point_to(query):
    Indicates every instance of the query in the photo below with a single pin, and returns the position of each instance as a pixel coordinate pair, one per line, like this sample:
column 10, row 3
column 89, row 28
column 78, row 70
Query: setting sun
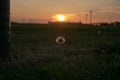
column 60, row 17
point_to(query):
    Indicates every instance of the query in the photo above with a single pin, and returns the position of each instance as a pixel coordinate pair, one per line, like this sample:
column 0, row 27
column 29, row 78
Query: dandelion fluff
column 99, row 32
column 60, row 40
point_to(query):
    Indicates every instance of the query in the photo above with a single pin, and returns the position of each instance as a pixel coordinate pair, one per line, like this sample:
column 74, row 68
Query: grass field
column 89, row 53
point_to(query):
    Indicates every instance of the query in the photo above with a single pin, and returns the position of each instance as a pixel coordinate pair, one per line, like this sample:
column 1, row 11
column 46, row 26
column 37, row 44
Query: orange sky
column 76, row 10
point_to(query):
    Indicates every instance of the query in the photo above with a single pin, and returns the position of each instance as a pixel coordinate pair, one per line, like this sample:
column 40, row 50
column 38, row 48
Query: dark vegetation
column 90, row 53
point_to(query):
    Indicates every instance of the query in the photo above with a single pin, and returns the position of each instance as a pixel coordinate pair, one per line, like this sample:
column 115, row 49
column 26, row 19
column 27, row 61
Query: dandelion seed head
column 60, row 40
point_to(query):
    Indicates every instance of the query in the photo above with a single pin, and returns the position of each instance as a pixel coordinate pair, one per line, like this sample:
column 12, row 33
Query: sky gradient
column 75, row 10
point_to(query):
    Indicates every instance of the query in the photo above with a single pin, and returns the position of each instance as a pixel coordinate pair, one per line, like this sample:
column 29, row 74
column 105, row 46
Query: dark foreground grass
column 90, row 53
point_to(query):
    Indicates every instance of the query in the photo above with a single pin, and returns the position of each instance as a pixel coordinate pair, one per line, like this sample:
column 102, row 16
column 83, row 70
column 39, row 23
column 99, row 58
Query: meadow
column 89, row 53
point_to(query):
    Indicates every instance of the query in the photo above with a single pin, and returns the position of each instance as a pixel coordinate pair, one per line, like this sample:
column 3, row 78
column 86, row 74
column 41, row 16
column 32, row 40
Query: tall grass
column 86, row 55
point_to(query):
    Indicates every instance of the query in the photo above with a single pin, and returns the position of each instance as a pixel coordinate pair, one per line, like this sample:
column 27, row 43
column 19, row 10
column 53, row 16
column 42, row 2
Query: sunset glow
column 60, row 17
column 75, row 10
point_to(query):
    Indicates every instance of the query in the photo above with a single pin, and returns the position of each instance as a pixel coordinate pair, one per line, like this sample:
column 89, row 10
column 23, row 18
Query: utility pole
column 91, row 16
column 86, row 18
column 4, row 29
